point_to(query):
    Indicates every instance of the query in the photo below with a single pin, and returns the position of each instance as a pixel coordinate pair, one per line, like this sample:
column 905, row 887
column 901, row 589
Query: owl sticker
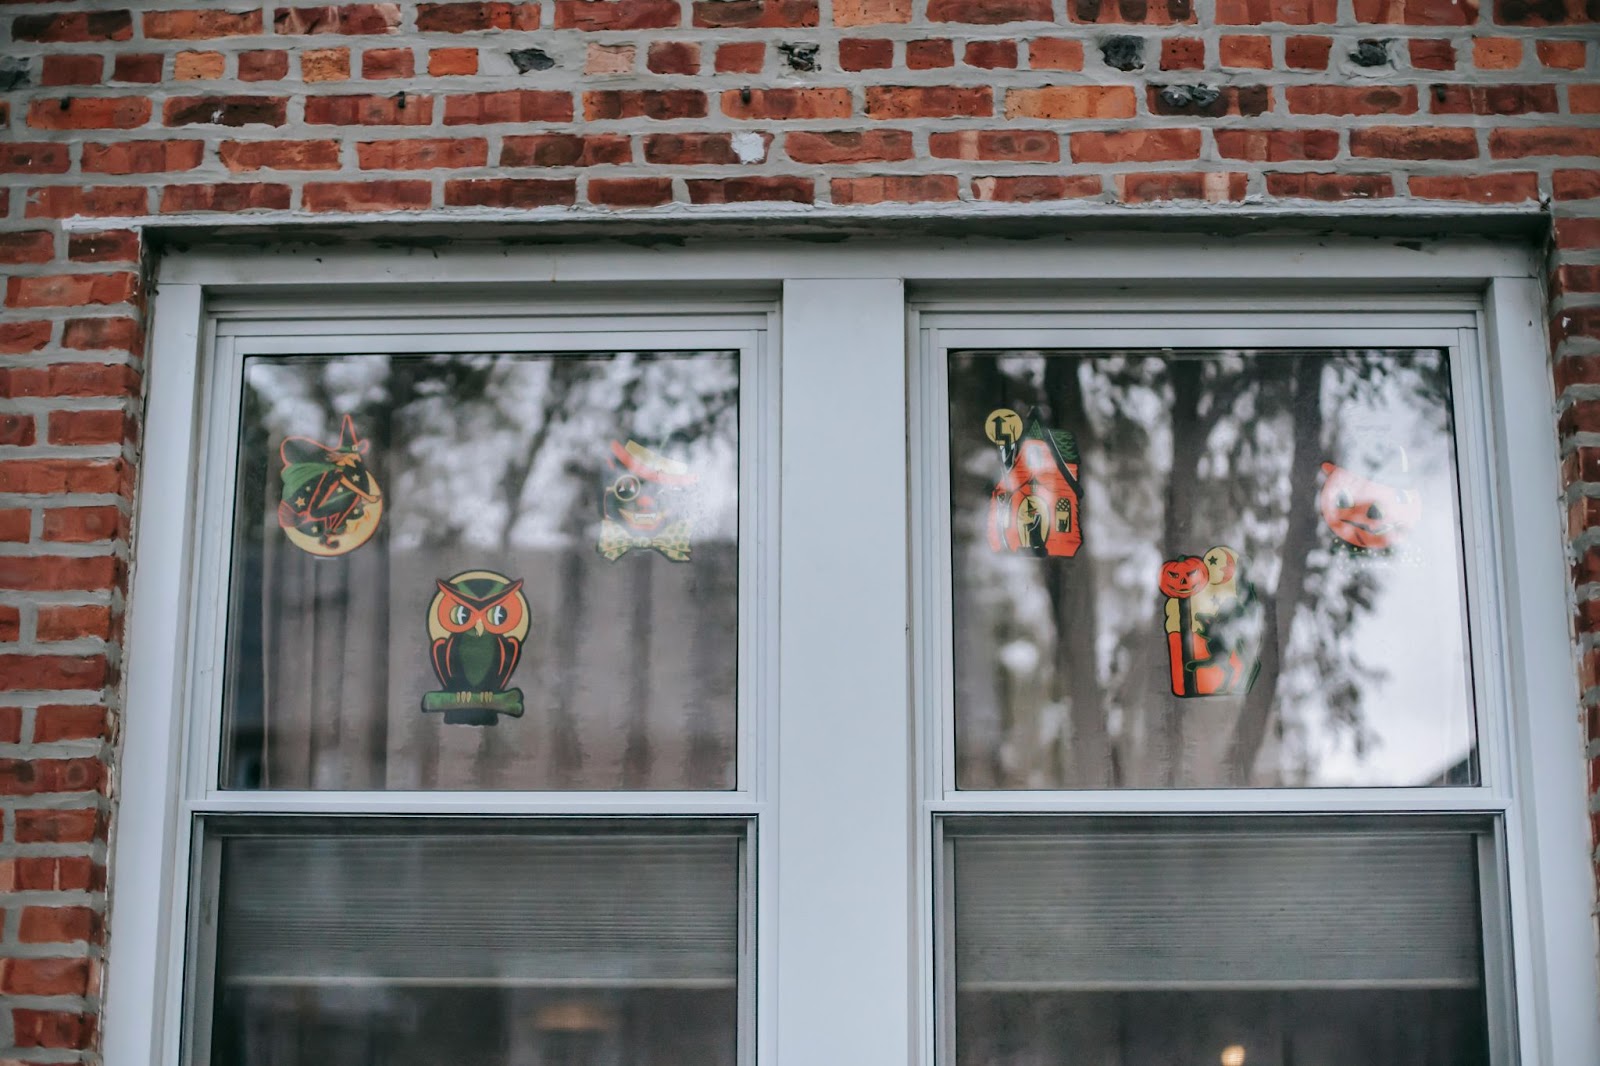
column 642, row 504
column 477, row 622
column 1213, row 624
column 331, row 502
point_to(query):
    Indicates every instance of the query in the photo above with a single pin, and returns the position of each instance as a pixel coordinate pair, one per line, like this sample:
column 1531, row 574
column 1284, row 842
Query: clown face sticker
column 331, row 502
column 642, row 504
column 1213, row 624
column 477, row 622
column 1034, row 508
column 1366, row 514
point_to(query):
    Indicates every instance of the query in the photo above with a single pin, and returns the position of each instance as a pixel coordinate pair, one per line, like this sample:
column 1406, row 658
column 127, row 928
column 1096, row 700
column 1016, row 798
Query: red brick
column 56, row 476
column 325, row 64
column 470, row 17
column 517, row 105
column 1292, row 12
column 141, row 67
column 755, row 14
column 428, row 154
column 200, row 24
column 849, row 146
column 1146, row 188
column 870, row 12
column 753, row 189
column 53, row 672
column 10, row 624
column 45, row 977
column 673, row 57
column 380, row 63
column 1546, row 12
column 226, row 196
column 71, row 290
column 366, row 195
column 1245, row 52
column 786, row 103
column 353, row 19
column 1352, row 100
column 73, row 28
column 198, row 66
column 896, row 188
column 1544, row 140
column 227, row 110
column 1021, row 146
column 692, row 149
column 1183, row 53
column 42, row 573
column 104, row 246
column 565, row 150
column 55, row 722
column 142, row 157
column 1329, row 186
column 1418, row 12
column 1577, row 322
column 856, row 53
column 1576, row 184
column 72, row 70
column 1135, row 146
column 1432, row 54
column 401, row 109
column 52, row 1029
column 59, row 925
column 741, row 57
column 1577, row 233
column 1277, row 146
column 991, row 55
column 932, row 54
column 630, row 192
column 1149, row 12
column 83, row 525
column 452, row 62
column 27, row 246
column 659, row 104
column 1479, row 188
column 263, row 65
column 1414, row 142
column 1070, row 102
column 243, row 156
column 17, row 430
column 1584, row 99
column 10, row 733
column 15, row 524
column 521, row 193
column 74, row 623
column 91, row 334
column 58, row 827
column 1491, row 99
column 1563, row 55
column 89, row 113
column 616, row 14
column 20, row 338
column 1055, row 53
column 89, row 427
column 1577, row 370
column 990, row 12
column 69, row 379
column 1035, row 188
column 1496, row 53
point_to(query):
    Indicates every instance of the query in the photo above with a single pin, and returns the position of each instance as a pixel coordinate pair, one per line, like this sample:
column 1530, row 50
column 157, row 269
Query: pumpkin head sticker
column 331, row 502
column 643, row 504
column 477, row 622
column 1034, row 508
column 1213, row 624
column 1367, row 514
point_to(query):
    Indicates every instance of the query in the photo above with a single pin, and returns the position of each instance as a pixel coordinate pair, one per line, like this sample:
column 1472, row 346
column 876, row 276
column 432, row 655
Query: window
column 858, row 651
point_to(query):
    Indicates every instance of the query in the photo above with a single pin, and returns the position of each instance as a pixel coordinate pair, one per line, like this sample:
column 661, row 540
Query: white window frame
column 845, row 969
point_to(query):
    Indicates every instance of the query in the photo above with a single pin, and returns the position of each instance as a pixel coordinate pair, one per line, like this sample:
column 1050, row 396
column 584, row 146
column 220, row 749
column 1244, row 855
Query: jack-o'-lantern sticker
column 331, row 502
column 1034, row 508
column 1213, row 624
column 1367, row 514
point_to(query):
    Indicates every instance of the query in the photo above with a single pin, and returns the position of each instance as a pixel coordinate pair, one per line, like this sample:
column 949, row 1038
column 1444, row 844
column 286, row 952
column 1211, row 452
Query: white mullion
column 1227, row 801
column 619, row 804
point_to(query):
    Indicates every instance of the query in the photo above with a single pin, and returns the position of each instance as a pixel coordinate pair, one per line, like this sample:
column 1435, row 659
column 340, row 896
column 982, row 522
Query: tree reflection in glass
column 503, row 465
column 1311, row 495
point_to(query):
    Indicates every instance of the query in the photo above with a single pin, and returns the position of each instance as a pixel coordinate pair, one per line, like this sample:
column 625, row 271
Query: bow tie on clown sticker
column 643, row 495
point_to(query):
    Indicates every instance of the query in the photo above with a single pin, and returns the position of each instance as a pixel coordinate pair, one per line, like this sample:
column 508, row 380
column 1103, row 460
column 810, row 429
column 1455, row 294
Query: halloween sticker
column 1213, row 623
column 1367, row 514
column 477, row 621
column 1034, row 508
column 643, row 504
column 331, row 502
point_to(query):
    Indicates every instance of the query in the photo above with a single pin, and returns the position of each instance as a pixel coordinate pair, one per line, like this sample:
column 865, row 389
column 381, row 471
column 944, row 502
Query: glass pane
column 1152, row 947
column 1207, row 569
column 414, row 946
column 485, row 572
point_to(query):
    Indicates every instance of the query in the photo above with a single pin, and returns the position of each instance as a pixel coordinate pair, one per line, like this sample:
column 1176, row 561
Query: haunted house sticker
column 1034, row 508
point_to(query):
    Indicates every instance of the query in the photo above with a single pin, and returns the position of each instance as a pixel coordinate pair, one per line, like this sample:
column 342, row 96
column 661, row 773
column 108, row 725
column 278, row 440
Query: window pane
column 485, row 572
column 410, row 945
column 1139, row 947
column 1204, row 569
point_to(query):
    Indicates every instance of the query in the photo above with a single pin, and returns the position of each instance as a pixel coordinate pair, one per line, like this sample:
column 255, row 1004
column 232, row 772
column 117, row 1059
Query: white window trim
column 845, row 966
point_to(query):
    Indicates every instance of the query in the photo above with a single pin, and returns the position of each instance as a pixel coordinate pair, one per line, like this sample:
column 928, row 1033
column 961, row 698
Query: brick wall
column 114, row 112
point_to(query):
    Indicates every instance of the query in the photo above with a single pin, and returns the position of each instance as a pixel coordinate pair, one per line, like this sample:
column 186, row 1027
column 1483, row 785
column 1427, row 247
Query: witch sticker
column 642, row 504
column 477, row 621
column 331, row 502
column 1213, row 624
column 1034, row 508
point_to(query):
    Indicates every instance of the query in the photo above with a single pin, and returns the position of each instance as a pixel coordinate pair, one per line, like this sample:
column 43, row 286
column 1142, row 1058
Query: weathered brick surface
column 117, row 110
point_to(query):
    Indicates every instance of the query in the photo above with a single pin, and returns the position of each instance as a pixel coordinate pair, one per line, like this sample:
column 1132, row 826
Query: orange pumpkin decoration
column 1182, row 578
column 1364, row 513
